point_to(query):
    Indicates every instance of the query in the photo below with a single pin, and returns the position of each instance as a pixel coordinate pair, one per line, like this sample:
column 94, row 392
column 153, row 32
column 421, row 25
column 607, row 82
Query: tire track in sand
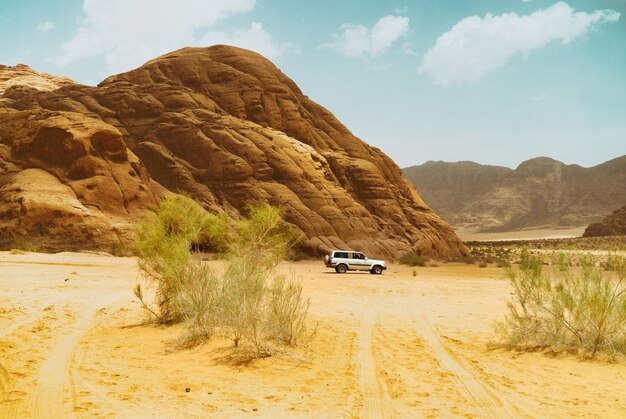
column 489, row 403
column 34, row 316
column 54, row 374
column 48, row 398
column 376, row 399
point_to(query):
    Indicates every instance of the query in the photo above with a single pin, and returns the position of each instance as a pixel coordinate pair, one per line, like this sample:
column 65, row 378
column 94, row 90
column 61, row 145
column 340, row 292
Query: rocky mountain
column 539, row 193
column 448, row 186
column 79, row 164
column 611, row 225
column 23, row 79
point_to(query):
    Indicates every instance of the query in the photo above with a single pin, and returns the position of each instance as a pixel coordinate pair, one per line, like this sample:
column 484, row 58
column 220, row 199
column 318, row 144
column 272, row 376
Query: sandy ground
column 73, row 343
column 537, row 234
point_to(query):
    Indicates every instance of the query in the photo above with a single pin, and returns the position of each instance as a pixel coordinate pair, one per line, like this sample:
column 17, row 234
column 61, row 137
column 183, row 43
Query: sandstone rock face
column 539, row 193
column 612, row 225
column 226, row 126
column 68, row 182
column 21, row 78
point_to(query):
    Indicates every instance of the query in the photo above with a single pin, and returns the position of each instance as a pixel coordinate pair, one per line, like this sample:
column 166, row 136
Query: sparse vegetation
column 123, row 250
column 577, row 309
column 503, row 263
column 468, row 259
column 297, row 255
column 614, row 262
column 504, row 253
column 165, row 241
column 247, row 301
column 413, row 259
column 20, row 245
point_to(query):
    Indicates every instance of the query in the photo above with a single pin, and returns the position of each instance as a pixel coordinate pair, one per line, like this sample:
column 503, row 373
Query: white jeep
column 347, row 260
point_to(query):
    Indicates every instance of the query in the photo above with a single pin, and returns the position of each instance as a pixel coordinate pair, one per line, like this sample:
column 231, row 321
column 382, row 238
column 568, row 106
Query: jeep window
column 341, row 255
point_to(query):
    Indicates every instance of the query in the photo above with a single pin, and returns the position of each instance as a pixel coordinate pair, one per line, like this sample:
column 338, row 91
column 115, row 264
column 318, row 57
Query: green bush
column 248, row 301
column 165, row 239
column 260, row 305
column 413, row 259
column 579, row 310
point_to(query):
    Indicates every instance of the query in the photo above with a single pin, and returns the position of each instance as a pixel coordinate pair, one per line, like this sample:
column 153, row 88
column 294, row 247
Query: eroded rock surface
column 22, row 79
column 68, row 182
column 226, row 126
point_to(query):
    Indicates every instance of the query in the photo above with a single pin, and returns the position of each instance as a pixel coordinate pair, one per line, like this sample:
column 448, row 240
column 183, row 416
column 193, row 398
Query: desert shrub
column 260, row 305
column 24, row 245
column 199, row 302
column 180, row 217
column 578, row 310
column 123, row 250
column 248, row 300
column 164, row 241
column 263, row 239
column 414, row 273
column 614, row 262
column 288, row 310
column 413, row 259
column 482, row 264
column 503, row 263
column 468, row 259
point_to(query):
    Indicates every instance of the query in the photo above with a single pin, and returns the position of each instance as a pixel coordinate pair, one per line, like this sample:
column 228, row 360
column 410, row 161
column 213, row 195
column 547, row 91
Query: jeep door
column 359, row 262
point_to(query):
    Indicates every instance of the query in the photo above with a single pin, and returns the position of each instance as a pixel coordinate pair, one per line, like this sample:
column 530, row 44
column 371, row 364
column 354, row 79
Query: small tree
column 583, row 311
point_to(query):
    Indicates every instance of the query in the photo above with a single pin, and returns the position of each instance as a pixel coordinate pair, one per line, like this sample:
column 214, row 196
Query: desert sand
column 74, row 343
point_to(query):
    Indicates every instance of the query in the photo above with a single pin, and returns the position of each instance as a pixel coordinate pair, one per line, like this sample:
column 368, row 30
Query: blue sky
column 493, row 81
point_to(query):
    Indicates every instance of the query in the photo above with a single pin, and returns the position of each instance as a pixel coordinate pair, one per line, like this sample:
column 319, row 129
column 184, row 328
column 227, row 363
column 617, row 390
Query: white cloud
column 45, row 26
column 128, row 33
column 254, row 38
column 359, row 41
column 476, row 46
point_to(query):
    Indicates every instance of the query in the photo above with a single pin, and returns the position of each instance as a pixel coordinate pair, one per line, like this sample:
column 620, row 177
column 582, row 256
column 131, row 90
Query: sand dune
column 73, row 343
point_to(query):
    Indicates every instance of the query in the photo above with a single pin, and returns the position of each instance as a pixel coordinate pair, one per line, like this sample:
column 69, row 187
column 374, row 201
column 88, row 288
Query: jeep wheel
column 341, row 269
column 377, row 270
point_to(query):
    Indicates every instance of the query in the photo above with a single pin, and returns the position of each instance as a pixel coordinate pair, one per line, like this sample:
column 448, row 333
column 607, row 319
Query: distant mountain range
column 539, row 193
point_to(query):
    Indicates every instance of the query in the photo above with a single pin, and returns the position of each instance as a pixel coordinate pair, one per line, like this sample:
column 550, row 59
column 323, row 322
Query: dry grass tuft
column 577, row 310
